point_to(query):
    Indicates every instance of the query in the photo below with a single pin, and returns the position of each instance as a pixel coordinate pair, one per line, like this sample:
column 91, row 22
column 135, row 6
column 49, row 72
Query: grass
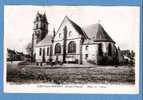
column 67, row 75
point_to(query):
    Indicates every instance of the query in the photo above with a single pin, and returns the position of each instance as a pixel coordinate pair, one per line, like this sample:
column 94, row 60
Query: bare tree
column 29, row 48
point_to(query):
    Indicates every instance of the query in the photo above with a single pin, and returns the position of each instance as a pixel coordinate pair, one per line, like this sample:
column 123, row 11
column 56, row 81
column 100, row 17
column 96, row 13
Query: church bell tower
column 40, row 27
column 40, row 30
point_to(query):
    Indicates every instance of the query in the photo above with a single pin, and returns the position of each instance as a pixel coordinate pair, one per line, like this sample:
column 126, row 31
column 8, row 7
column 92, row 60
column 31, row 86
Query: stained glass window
column 72, row 47
column 57, row 48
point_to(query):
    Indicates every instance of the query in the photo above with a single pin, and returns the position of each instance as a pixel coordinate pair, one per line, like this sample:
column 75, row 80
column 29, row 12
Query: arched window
column 100, row 52
column 36, row 25
column 72, row 47
column 40, row 51
column 109, row 49
column 86, row 47
column 48, row 51
column 58, row 48
column 86, row 56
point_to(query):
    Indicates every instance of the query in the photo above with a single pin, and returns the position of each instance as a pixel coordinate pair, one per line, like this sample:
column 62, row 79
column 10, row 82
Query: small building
column 72, row 43
column 13, row 55
column 128, row 57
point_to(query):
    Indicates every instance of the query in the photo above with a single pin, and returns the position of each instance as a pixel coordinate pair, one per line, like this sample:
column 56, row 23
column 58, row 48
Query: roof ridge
column 76, row 26
column 72, row 22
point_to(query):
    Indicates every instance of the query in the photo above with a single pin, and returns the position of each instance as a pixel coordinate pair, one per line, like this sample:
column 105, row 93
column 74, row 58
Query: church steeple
column 40, row 26
column 40, row 30
column 45, row 18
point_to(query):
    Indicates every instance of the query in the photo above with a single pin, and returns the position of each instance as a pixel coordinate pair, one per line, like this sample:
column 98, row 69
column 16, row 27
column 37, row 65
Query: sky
column 120, row 22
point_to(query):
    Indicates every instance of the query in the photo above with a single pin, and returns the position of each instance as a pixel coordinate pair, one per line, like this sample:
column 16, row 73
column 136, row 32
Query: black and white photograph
column 71, row 49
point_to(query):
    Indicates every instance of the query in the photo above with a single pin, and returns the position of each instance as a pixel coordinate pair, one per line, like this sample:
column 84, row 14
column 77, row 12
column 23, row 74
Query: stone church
column 72, row 43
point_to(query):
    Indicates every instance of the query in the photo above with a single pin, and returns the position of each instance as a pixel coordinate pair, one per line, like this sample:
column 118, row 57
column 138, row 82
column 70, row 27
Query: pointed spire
column 45, row 18
column 38, row 13
column 44, row 13
column 37, row 16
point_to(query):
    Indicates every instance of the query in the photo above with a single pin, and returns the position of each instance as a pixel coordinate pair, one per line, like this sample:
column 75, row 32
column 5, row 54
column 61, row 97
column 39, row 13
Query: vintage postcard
column 71, row 49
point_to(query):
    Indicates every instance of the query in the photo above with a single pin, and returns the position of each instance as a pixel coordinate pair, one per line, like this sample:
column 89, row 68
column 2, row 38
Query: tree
column 132, row 57
column 132, row 54
column 29, row 48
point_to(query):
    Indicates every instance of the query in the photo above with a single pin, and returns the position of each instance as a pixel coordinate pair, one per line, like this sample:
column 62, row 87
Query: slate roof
column 97, row 33
column 46, row 41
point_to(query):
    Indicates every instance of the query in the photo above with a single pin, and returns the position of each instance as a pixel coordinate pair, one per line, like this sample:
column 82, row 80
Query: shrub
column 91, row 61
